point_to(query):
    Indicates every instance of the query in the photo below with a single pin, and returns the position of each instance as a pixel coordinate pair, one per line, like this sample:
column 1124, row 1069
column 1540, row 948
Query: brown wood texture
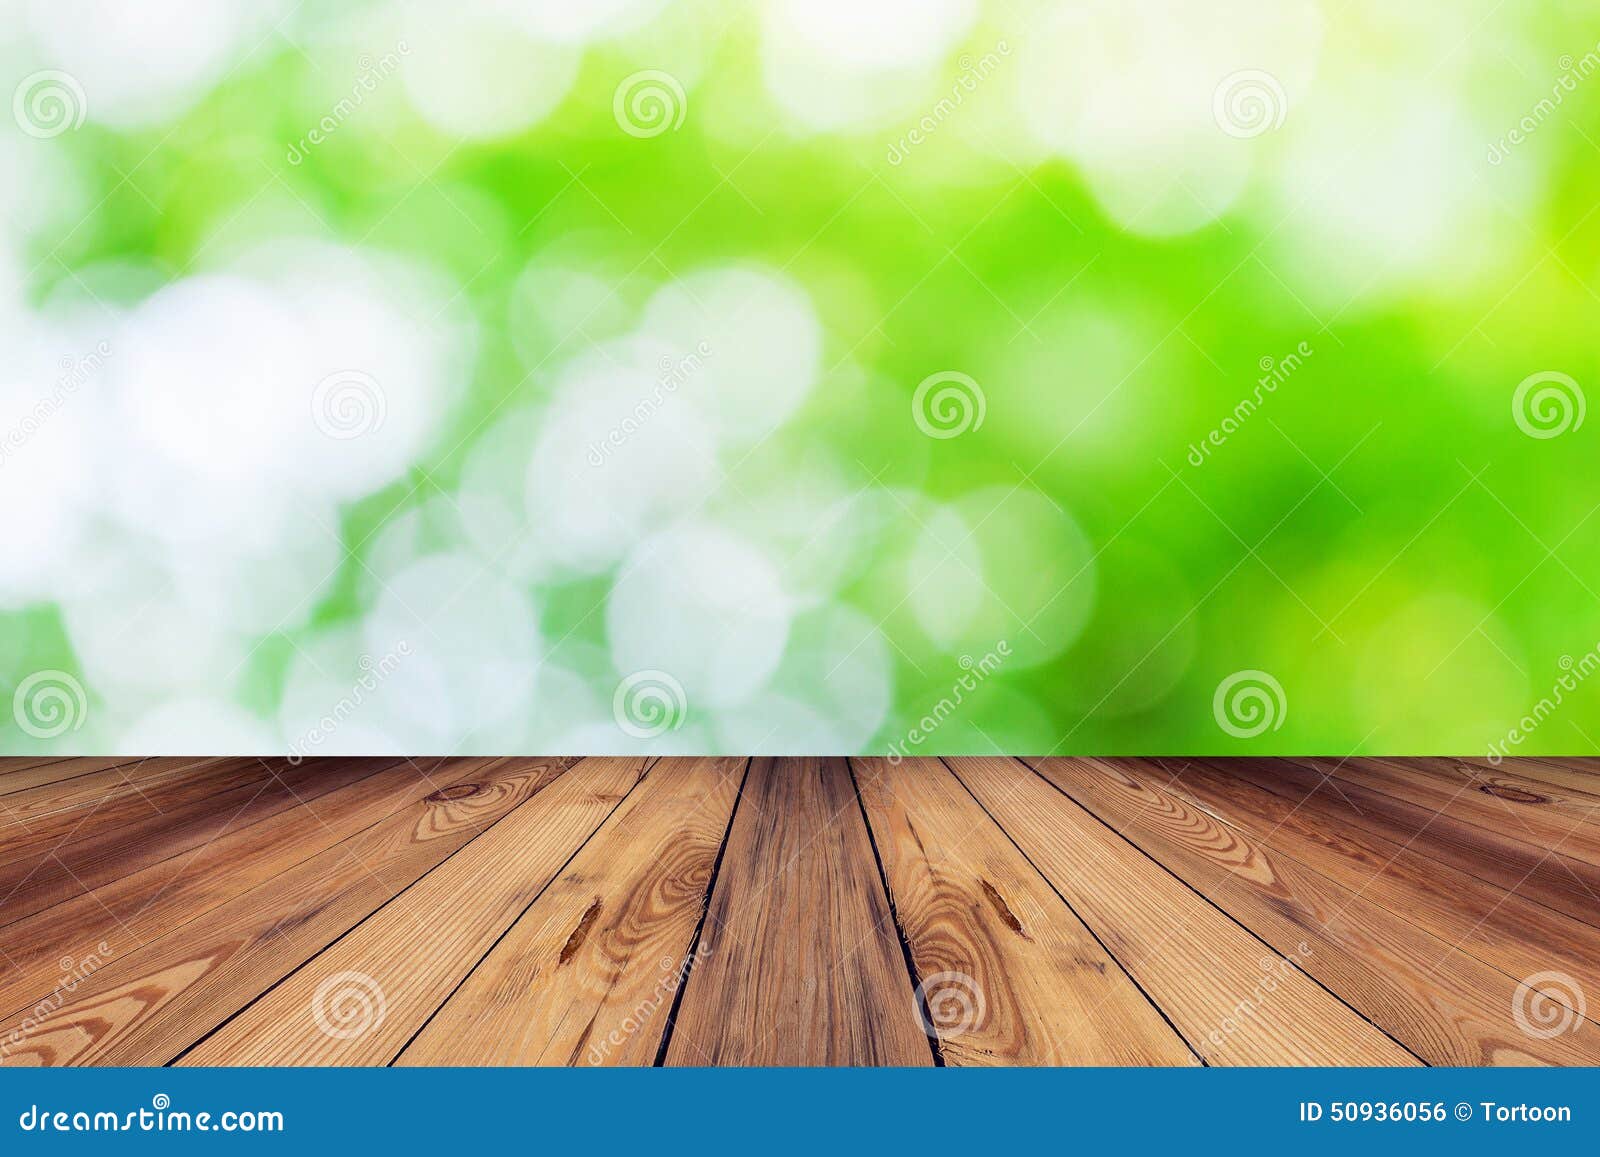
column 1445, row 1006
column 147, row 1006
column 695, row 911
column 1519, row 937
column 1007, row 972
column 801, row 961
column 413, row 953
column 1234, row 999
column 44, row 817
column 78, row 866
column 588, row 974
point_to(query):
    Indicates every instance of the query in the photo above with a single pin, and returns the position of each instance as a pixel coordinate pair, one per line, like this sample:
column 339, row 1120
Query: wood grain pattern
column 21, row 774
column 416, row 950
column 1535, row 873
column 801, row 961
column 146, row 1006
column 81, row 865
column 1008, row 973
column 40, row 819
column 587, row 975
column 518, row 910
column 1520, row 938
column 1446, row 1007
column 1542, row 817
column 1235, row 1000
column 137, row 909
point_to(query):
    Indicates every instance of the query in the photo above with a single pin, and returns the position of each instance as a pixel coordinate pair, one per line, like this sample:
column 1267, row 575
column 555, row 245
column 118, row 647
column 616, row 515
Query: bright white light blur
column 882, row 34
column 705, row 607
column 745, row 346
column 144, row 62
column 1002, row 563
column 565, row 22
column 200, row 725
column 1125, row 89
column 836, row 65
column 1378, row 191
column 214, row 385
column 50, row 383
column 944, row 581
column 617, row 449
column 135, row 639
column 474, row 73
column 472, row 647
column 830, row 694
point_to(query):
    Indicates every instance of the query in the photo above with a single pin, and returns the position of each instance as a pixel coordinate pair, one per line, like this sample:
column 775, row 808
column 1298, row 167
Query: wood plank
column 1520, row 938
column 1445, row 1006
column 1578, row 773
column 419, row 947
column 1235, row 1000
column 587, row 975
column 81, row 865
column 146, row 1007
column 1008, row 973
column 1547, row 819
column 135, row 909
column 1537, row 874
column 42, row 818
column 21, row 774
column 1517, row 782
column 800, row 963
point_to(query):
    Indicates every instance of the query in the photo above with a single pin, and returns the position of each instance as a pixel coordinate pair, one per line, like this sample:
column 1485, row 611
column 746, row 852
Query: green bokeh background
column 1382, row 536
